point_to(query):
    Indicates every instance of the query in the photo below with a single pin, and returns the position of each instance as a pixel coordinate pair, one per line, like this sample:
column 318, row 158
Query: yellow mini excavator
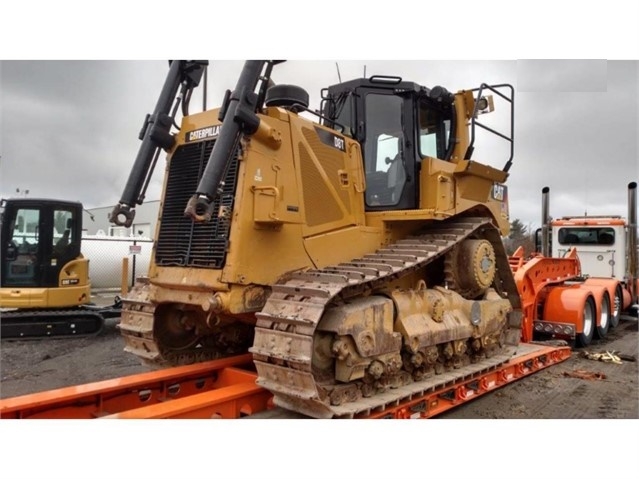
column 45, row 288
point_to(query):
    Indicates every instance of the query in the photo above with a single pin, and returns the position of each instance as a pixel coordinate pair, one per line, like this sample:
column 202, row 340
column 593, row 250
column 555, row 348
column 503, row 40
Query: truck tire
column 585, row 337
column 604, row 317
column 617, row 304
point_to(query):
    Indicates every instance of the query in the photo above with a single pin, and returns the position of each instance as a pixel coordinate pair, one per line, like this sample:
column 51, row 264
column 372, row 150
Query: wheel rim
column 588, row 319
column 616, row 307
column 605, row 313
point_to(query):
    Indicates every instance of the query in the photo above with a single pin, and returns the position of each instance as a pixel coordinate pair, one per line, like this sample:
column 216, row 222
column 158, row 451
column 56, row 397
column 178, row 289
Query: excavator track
column 283, row 348
column 36, row 324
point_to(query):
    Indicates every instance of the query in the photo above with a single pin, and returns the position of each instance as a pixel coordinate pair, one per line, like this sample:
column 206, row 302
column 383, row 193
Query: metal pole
column 133, row 265
column 632, row 238
column 124, row 283
column 545, row 222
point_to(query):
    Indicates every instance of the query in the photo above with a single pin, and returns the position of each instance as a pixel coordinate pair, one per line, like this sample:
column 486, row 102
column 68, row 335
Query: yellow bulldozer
column 355, row 250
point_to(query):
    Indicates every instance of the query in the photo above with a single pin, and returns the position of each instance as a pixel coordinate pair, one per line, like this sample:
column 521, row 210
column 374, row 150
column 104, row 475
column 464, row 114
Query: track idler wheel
column 471, row 267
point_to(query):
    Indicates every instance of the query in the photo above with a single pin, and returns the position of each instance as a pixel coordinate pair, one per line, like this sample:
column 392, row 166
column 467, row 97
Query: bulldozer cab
column 39, row 237
column 398, row 124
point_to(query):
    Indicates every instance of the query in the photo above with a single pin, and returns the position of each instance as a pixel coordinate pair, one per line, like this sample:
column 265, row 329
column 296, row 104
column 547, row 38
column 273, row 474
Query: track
column 284, row 337
column 80, row 321
column 285, row 333
column 36, row 324
column 140, row 337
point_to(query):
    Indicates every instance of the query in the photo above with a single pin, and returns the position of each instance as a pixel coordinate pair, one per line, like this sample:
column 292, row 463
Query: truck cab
column 600, row 242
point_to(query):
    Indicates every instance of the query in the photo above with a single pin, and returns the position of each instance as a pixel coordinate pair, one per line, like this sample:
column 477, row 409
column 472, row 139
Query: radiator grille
column 181, row 241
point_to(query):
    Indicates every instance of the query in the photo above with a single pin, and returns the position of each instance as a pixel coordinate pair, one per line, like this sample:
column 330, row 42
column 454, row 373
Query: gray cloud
column 582, row 145
column 69, row 128
column 562, row 75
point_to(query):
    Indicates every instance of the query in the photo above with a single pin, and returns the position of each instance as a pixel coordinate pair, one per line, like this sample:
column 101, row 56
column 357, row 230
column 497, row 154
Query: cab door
column 61, row 243
column 389, row 150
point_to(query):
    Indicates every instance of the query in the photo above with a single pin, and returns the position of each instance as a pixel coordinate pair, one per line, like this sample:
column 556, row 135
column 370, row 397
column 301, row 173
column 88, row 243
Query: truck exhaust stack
column 545, row 221
column 632, row 238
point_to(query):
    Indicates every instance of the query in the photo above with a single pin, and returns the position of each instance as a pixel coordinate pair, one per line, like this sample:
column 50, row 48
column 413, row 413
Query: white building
column 96, row 221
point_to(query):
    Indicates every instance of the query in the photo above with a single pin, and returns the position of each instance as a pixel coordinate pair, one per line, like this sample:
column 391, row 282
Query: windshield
column 587, row 236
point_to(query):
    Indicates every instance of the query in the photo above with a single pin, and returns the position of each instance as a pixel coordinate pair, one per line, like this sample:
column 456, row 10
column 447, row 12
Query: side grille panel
column 181, row 241
column 319, row 204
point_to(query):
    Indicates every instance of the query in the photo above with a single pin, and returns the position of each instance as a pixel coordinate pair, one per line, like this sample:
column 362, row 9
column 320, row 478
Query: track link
column 284, row 335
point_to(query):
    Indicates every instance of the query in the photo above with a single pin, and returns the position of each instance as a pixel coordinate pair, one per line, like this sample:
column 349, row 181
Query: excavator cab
column 42, row 265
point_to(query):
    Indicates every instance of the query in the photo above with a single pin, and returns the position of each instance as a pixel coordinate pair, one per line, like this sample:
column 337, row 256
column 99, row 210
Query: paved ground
column 40, row 365
column 551, row 394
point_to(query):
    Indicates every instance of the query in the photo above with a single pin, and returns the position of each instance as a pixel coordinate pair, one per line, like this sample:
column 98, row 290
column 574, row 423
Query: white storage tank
column 105, row 255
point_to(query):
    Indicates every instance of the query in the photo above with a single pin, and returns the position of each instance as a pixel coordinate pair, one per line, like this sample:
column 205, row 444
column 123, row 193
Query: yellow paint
column 299, row 204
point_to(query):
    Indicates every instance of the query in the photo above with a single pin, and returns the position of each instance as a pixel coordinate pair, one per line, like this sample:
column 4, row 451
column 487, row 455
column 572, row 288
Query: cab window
column 64, row 232
column 434, row 131
column 586, row 236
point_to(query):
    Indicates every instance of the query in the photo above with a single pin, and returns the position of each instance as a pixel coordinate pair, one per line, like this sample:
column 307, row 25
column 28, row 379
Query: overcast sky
column 69, row 128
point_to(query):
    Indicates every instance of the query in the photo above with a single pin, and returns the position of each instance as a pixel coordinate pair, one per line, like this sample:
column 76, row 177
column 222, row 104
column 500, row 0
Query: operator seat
column 396, row 179
column 62, row 244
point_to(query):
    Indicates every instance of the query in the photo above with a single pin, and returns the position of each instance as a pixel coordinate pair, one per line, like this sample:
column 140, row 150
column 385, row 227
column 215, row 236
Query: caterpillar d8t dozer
column 354, row 251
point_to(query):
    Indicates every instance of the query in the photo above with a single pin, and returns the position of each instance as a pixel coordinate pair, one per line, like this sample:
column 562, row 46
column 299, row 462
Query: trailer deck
column 226, row 389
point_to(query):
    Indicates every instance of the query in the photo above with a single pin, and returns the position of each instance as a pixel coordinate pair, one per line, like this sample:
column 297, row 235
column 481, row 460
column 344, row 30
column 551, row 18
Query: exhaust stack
column 545, row 221
column 632, row 238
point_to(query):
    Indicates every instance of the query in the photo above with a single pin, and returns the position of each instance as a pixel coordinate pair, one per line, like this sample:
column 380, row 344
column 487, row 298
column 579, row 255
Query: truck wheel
column 585, row 337
column 617, row 304
column 604, row 317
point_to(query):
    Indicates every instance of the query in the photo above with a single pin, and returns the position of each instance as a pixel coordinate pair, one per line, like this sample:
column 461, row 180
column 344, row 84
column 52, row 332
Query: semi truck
column 606, row 246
